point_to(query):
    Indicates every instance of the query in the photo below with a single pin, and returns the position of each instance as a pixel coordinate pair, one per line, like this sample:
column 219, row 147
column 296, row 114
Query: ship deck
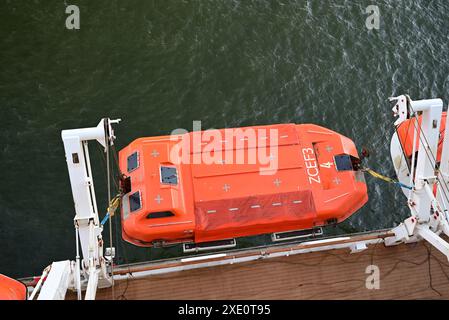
column 407, row 271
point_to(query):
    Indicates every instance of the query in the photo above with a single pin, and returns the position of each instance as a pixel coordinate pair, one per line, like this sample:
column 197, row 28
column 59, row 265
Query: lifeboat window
column 133, row 161
column 169, row 175
column 135, row 202
column 162, row 214
column 345, row 162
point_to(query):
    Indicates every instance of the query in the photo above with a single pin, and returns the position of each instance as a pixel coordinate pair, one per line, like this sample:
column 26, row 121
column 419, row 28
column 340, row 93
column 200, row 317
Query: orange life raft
column 11, row 289
column 406, row 133
column 172, row 197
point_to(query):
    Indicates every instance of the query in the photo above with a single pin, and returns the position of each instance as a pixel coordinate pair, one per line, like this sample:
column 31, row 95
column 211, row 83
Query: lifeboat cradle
column 93, row 266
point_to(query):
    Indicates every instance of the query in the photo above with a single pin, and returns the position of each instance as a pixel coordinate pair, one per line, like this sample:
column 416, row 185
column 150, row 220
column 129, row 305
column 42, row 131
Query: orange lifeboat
column 406, row 133
column 11, row 289
column 208, row 185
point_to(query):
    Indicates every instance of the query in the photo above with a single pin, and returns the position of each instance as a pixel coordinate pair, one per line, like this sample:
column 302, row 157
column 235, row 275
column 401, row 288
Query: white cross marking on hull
column 226, row 187
column 277, row 182
column 154, row 153
column 158, row 199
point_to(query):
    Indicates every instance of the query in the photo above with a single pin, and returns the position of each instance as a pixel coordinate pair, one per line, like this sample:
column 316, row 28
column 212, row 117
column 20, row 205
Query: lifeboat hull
column 11, row 289
column 305, row 180
column 406, row 133
column 401, row 147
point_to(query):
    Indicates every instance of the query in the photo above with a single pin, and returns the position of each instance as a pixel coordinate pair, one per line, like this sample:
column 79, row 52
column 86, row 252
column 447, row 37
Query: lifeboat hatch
column 125, row 184
column 296, row 234
column 346, row 162
column 212, row 245
column 169, row 175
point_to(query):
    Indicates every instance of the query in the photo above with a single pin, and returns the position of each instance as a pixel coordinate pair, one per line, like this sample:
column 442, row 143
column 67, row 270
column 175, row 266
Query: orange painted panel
column 406, row 133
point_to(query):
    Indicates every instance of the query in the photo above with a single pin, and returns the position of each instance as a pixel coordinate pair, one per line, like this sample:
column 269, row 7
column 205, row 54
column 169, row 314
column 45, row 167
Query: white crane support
column 88, row 229
column 428, row 211
column 58, row 280
column 81, row 181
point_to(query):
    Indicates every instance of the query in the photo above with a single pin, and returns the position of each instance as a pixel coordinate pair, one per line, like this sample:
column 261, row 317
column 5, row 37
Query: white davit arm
column 66, row 274
column 87, row 225
column 57, row 281
column 428, row 213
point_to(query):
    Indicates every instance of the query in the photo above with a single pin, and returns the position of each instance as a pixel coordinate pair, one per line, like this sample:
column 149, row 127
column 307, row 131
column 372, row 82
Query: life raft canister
column 406, row 133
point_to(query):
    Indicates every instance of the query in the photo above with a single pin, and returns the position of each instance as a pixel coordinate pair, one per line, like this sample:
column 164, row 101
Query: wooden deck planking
column 335, row 274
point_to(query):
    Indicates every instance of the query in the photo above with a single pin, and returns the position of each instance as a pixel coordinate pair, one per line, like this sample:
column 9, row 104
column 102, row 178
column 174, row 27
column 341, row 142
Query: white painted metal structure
column 57, row 281
column 93, row 266
column 354, row 244
column 87, row 222
column 428, row 213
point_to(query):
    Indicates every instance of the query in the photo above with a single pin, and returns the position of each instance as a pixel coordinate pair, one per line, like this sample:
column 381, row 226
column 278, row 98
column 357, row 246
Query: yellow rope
column 384, row 178
column 113, row 206
column 380, row 176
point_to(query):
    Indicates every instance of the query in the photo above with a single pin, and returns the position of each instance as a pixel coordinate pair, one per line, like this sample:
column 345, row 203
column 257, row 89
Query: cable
column 122, row 296
column 429, row 250
column 111, row 244
column 118, row 191
column 403, row 145
column 432, row 158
